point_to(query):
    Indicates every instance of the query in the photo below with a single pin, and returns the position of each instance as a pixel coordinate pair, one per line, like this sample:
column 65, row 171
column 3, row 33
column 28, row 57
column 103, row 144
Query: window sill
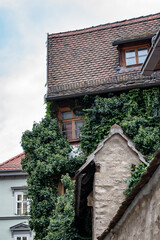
column 73, row 140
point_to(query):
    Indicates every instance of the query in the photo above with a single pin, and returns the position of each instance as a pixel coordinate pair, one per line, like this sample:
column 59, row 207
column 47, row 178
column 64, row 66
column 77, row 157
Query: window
column 22, row 205
column 21, row 237
column 135, row 56
column 71, row 124
column 21, row 202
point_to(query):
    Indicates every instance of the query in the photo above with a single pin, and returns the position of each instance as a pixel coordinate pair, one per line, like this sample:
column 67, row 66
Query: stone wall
column 142, row 219
column 113, row 164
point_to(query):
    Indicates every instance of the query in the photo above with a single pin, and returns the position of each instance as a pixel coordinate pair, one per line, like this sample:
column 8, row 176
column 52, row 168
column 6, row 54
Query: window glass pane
column 19, row 197
column 66, row 115
column 19, row 211
column 130, row 54
column 24, row 197
column 141, row 59
column 24, row 238
column 19, row 205
column 142, row 54
column 18, row 238
column 130, row 57
column 78, row 114
column 130, row 61
column 24, row 207
column 78, row 125
column 67, row 129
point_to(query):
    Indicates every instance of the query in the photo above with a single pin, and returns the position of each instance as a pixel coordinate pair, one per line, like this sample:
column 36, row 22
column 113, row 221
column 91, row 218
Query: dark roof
column 146, row 176
column 85, row 61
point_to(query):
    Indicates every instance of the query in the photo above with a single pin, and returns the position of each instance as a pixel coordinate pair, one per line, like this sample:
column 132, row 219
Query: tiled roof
column 81, row 57
column 13, row 163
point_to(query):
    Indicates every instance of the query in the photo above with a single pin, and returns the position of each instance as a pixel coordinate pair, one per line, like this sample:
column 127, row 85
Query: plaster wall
column 6, row 196
column 113, row 164
column 142, row 218
column 7, row 205
column 5, row 233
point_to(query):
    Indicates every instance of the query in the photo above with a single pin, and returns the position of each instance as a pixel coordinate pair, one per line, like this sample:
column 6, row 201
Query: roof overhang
column 152, row 62
column 12, row 172
column 121, row 41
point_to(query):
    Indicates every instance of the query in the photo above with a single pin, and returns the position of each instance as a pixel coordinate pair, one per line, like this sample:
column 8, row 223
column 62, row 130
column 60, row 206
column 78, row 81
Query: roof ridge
column 104, row 26
column 11, row 159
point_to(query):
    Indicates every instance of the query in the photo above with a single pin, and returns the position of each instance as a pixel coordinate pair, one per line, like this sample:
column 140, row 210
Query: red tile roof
column 79, row 58
column 13, row 163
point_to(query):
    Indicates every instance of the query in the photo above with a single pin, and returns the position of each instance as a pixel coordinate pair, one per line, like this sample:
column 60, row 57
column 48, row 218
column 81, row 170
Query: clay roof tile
column 13, row 163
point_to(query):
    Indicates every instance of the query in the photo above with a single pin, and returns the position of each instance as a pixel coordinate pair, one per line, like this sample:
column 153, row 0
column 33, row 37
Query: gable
column 116, row 152
column 105, row 172
column 20, row 228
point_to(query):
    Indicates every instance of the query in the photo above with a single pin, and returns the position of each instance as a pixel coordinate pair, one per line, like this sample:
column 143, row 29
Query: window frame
column 72, row 120
column 134, row 48
column 21, row 236
column 20, row 191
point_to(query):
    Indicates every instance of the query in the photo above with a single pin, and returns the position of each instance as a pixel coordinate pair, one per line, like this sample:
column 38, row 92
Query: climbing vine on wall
column 47, row 154
column 137, row 112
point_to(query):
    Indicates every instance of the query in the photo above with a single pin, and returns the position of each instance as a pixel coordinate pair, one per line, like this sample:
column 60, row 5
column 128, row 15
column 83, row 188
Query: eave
column 123, row 81
column 12, row 172
column 132, row 39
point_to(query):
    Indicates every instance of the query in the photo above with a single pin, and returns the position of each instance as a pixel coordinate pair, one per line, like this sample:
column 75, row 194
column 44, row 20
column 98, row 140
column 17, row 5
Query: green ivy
column 47, row 154
column 46, row 159
column 62, row 219
column 135, row 176
column 136, row 111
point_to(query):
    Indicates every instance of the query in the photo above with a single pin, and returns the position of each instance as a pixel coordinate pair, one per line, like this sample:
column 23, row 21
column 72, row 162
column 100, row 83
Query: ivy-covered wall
column 136, row 111
column 47, row 153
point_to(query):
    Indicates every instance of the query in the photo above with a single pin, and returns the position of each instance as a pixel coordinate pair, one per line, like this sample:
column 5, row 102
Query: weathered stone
column 142, row 218
column 113, row 162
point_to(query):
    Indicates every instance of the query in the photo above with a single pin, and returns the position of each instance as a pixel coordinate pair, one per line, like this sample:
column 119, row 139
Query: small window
column 71, row 123
column 21, row 237
column 135, row 56
column 21, row 203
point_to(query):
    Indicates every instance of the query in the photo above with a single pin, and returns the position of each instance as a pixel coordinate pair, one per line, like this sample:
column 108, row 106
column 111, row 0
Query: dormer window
column 71, row 124
column 134, row 56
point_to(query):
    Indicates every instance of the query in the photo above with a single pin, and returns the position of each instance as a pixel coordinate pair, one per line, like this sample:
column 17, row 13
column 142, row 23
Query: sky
column 24, row 25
